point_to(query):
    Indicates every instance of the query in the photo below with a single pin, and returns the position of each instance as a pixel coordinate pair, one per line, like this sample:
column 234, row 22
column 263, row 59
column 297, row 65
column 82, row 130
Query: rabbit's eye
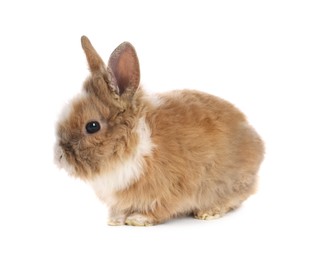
column 93, row 127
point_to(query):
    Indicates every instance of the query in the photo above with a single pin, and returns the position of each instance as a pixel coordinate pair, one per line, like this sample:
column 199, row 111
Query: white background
column 260, row 55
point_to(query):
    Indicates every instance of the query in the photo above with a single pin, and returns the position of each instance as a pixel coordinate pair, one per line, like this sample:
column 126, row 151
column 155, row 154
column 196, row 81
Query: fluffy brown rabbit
column 154, row 157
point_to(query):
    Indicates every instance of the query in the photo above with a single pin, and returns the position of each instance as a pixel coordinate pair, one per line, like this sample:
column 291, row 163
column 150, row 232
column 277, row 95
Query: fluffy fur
column 156, row 157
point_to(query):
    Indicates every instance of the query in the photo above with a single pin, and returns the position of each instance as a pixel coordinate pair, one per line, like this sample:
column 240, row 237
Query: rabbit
column 154, row 157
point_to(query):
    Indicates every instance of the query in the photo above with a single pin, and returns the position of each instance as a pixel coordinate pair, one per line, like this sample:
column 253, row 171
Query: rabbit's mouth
column 59, row 157
column 60, row 160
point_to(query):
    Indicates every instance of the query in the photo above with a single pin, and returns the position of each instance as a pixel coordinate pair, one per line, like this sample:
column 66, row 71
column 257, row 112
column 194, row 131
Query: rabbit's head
column 97, row 128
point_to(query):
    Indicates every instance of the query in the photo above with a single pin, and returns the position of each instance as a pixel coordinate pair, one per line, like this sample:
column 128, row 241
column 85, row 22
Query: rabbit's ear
column 124, row 65
column 95, row 62
column 97, row 68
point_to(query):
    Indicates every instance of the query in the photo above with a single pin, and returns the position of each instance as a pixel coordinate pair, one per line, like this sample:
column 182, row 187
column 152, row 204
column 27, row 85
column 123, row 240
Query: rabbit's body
column 157, row 157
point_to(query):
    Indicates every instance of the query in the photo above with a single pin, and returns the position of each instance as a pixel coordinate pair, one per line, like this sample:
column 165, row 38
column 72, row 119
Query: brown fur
column 205, row 155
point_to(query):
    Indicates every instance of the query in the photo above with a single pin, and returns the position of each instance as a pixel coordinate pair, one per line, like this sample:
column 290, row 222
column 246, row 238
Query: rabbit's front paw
column 207, row 216
column 138, row 220
column 210, row 214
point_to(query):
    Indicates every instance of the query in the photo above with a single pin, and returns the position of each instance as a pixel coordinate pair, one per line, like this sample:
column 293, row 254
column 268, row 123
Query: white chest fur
column 128, row 171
